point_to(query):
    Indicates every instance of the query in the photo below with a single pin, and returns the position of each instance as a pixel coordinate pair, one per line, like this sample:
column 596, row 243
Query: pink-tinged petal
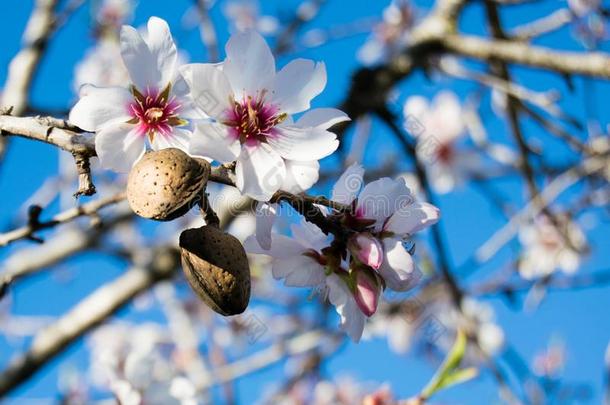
column 352, row 319
column 209, row 87
column 119, row 146
column 100, row 106
column 412, row 218
column 349, row 184
column 323, row 118
column 282, row 247
column 367, row 249
column 366, row 293
column 297, row 83
column 138, row 59
column 303, row 144
column 179, row 138
column 162, row 49
column 250, row 65
column 212, row 140
column 381, row 198
column 265, row 218
column 259, row 171
column 398, row 269
column 298, row 271
column 300, row 176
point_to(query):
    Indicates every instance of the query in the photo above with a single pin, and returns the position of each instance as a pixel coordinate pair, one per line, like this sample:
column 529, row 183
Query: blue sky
column 580, row 318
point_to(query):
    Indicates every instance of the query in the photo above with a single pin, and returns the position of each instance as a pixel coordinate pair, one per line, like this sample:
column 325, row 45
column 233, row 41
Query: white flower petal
column 297, row 83
column 323, row 118
column 179, row 138
column 299, row 271
column 139, row 60
column 381, row 198
column 209, row 88
column 100, row 106
column 352, row 319
column 413, row 218
column 309, row 235
column 282, row 247
column 212, row 140
column 398, row 269
column 119, row 146
column 300, row 176
column 416, row 107
column 349, row 184
column 250, row 65
column 303, row 144
column 259, row 171
column 265, row 218
column 163, row 50
column 448, row 116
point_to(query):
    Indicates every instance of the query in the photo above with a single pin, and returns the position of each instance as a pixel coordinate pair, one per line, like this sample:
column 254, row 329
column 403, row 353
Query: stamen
column 253, row 119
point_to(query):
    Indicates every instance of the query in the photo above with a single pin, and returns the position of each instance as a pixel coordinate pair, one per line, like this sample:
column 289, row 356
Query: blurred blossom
column 434, row 321
column 136, row 364
column 547, row 248
column 590, row 26
column 111, row 14
column 102, row 66
column 390, row 36
column 438, row 126
column 245, row 15
column 583, row 7
column 343, row 390
column 550, row 362
column 477, row 319
column 351, row 272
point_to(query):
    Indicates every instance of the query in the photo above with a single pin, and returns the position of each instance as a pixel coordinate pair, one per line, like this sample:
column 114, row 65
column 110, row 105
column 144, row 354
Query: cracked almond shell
column 164, row 184
column 216, row 267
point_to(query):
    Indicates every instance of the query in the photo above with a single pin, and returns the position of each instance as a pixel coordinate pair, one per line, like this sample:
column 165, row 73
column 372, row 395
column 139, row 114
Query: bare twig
column 88, row 209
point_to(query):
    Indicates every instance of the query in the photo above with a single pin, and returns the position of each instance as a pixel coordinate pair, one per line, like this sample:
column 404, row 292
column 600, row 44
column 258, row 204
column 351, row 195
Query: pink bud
column 366, row 293
column 367, row 249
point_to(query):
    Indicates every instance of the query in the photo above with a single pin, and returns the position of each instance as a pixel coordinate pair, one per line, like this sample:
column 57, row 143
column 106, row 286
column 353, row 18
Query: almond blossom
column 391, row 35
column 548, row 248
column 438, row 126
column 251, row 106
column 151, row 112
column 245, row 15
column 352, row 269
column 583, row 7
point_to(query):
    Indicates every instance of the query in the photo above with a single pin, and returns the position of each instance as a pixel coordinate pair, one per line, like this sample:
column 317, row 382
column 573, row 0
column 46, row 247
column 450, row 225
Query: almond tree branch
column 91, row 208
column 24, row 65
column 66, row 244
column 595, row 64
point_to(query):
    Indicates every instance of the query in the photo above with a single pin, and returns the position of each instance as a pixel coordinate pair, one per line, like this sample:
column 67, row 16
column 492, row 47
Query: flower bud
column 367, row 249
column 366, row 292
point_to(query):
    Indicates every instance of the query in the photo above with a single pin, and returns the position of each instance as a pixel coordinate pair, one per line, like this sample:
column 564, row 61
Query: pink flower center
column 154, row 112
column 252, row 120
column 445, row 153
